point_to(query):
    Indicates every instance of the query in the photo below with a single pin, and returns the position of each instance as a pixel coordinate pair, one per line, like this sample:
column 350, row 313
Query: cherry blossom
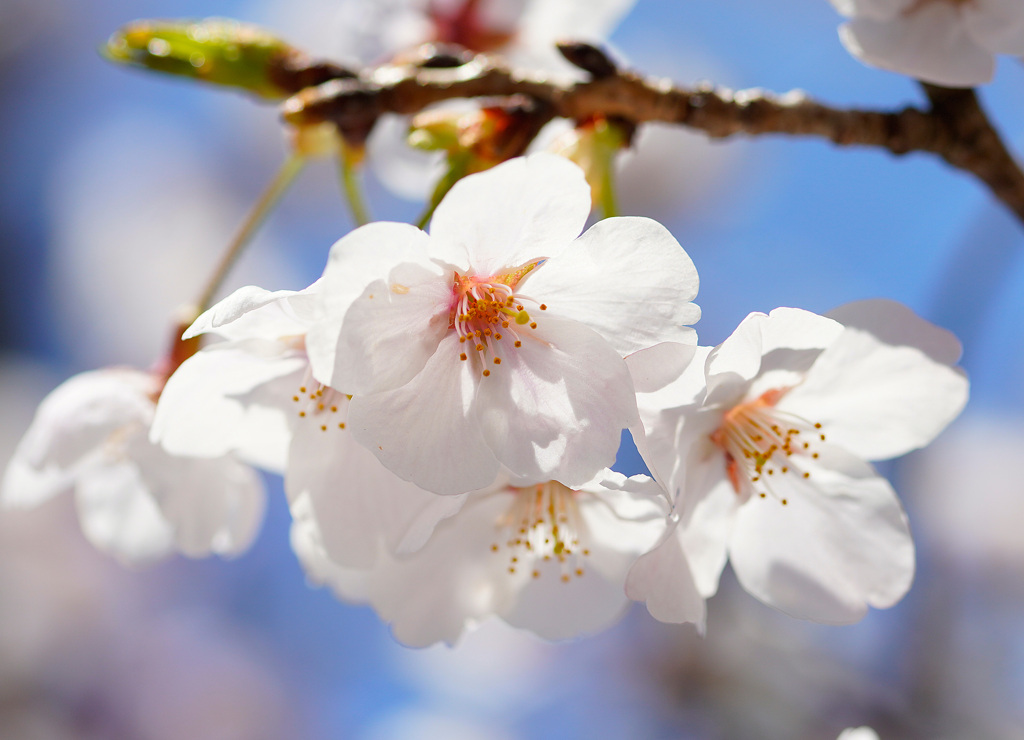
column 762, row 442
column 858, row 733
column 946, row 42
column 544, row 557
column 135, row 501
column 253, row 395
column 498, row 339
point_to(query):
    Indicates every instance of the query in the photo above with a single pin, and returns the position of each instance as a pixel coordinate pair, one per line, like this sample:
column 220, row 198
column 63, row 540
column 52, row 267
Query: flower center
column 489, row 317
column 321, row 404
column 758, row 440
column 543, row 525
column 463, row 25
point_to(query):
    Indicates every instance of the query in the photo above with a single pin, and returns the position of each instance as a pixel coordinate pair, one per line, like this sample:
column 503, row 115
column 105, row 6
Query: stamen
column 759, row 440
column 548, row 527
column 486, row 312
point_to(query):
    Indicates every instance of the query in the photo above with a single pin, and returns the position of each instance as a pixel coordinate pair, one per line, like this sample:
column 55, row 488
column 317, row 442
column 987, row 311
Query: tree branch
column 955, row 127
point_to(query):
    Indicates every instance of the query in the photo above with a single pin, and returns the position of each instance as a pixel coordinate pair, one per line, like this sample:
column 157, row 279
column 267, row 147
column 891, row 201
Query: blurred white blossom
column 947, row 42
column 135, row 501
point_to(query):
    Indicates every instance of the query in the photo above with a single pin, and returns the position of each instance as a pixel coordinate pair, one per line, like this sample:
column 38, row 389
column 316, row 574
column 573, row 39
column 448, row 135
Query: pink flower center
column 464, row 26
column 759, row 441
column 490, row 319
column 544, row 525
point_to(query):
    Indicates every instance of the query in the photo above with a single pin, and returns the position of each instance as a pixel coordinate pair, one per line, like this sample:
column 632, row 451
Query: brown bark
column 954, row 127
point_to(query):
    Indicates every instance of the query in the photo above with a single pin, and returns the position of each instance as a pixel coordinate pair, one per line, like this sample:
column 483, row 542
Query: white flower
column 253, row 395
column 946, row 42
column 763, row 441
column 546, row 558
column 858, row 733
column 369, row 31
column 499, row 338
column 135, row 501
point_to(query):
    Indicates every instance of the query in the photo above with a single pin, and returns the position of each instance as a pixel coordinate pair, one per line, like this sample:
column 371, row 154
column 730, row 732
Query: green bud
column 217, row 50
column 436, row 130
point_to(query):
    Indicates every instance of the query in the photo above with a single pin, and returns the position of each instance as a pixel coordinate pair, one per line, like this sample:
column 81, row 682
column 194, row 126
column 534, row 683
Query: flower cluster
column 444, row 407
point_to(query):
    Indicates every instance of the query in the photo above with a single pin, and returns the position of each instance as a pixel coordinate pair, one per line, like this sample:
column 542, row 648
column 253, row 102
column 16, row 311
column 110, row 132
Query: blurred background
column 119, row 188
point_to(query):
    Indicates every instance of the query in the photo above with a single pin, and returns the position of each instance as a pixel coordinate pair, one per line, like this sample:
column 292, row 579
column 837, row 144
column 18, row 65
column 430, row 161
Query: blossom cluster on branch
column 445, row 405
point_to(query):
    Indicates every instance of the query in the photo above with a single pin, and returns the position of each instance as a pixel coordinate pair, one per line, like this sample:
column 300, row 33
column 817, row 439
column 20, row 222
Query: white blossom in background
column 763, row 440
column 498, row 339
column 858, row 733
column 979, row 454
column 946, row 42
column 253, row 395
column 135, row 501
column 375, row 31
column 545, row 557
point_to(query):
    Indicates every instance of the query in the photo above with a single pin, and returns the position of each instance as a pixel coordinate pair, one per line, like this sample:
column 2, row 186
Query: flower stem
column 277, row 187
column 458, row 167
column 609, row 204
column 351, row 185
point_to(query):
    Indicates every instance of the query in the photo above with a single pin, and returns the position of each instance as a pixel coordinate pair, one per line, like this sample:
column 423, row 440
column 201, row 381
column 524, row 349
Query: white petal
column 662, row 580
column 252, row 312
column 558, row 610
column 731, row 365
column 407, row 172
column 425, row 431
column 361, row 257
column 768, row 351
column 791, row 341
column 997, row 25
column 654, row 368
column 663, row 413
column 208, row 408
column 525, row 209
column 931, row 44
column 707, row 509
column 628, row 279
column 547, row 22
column 360, row 506
column 876, row 400
column 896, row 324
column 556, row 407
column 80, row 414
column 25, row 486
column 350, row 584
column 858, row 733
column 453, row 582
column 120, row 517
column 878, row 10
column 392, row 329
column 840, row 544
column 213, row 506
column 624, row 518
column 686, row 388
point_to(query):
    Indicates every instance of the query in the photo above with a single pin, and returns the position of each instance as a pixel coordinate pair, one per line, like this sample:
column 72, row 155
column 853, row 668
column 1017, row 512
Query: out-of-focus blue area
column 122, row 163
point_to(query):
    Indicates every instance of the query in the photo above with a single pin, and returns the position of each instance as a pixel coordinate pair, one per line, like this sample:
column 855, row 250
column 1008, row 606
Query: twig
column 955, row 127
